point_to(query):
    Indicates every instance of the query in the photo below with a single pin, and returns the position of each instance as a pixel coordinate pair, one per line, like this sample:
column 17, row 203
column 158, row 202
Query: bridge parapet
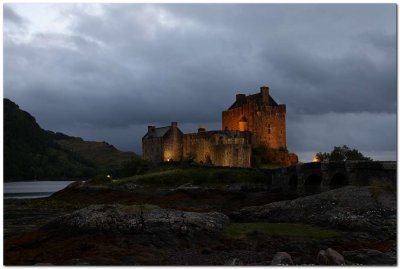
column 333, row 165
column 389, row 165
column 313, row 165
column 328, row 175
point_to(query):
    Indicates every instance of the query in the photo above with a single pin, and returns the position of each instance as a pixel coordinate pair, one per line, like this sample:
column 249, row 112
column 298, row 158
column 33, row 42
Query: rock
column 351, row 208
column 234, row 261
column 322, row 258
column 206, row 251
column 369, row 257
column 146, row 223
column 282, row 258
column 188, row 186
column 127, row 187
column 330, row 257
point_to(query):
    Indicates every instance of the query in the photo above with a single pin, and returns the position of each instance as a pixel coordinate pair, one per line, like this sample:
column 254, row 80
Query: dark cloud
column 10, row 16
column 114, row 71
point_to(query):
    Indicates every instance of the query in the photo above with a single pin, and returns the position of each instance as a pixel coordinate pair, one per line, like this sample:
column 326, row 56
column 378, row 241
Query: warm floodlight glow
column 316, row 159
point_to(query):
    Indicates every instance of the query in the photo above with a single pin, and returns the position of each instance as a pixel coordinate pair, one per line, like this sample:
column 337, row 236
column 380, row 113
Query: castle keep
column 250, row 121
column 260, row 115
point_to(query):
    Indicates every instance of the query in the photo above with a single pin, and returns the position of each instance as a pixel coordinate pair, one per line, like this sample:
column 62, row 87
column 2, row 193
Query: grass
column 271, row 166
column 196, row 176
column 376, row 187
column 51, row 203
column 240, row 230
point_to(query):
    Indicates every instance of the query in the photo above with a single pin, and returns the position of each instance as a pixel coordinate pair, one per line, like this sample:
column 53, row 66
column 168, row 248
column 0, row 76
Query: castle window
column 269, row 128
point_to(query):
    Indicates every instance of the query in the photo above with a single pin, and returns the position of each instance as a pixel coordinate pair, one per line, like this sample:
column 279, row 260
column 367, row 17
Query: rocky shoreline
column 160, row 227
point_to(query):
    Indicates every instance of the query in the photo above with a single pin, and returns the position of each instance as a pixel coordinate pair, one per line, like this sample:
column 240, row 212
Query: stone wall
column 153, row 149
column 237, row 155
column 218, row 149
column 359, row 173
column 267, row 123
column 172, row 145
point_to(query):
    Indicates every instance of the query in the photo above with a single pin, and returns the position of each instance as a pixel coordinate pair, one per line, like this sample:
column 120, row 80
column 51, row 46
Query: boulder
column 322, row 258
column 188, row 187
column 370, row 257
column 351, row 208
column 282, row 258
column 330, row 257
column 147, row 223
column 234, row 261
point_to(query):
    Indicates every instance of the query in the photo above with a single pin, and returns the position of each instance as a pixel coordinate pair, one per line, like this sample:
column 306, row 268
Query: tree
column 264, row 154
column 343, row 153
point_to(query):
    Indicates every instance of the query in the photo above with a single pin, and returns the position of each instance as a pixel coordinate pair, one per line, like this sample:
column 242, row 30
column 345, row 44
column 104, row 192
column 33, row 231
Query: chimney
column 240, row 97
column 201, row 130
column 150, row 128
column 174, row 124
column 264, row 94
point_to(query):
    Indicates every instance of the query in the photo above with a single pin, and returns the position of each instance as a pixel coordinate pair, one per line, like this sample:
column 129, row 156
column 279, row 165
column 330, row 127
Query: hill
column 101, row 154
column 33, row 153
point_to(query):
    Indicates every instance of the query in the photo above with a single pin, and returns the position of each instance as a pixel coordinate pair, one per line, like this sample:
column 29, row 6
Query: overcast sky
column 104, row 72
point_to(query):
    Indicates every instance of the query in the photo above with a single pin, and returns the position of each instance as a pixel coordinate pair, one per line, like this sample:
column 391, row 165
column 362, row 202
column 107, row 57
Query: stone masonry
column 249, row 122
column 260, row 115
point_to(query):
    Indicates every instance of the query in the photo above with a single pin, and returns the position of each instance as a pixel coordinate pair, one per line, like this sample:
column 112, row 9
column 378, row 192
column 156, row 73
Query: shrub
column 99, row 180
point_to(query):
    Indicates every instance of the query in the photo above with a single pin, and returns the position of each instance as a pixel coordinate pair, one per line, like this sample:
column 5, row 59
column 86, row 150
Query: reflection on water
column 33, row 189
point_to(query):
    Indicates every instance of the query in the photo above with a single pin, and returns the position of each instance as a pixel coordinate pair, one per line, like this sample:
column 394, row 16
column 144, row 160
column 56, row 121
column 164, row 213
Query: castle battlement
column 250, row 121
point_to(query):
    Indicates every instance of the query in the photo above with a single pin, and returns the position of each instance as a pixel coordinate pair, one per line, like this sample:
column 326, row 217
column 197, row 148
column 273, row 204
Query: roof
column 253, row 98
column 157, row 132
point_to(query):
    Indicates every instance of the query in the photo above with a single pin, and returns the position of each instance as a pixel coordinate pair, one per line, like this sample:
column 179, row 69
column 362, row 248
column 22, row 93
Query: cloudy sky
column 105, row 71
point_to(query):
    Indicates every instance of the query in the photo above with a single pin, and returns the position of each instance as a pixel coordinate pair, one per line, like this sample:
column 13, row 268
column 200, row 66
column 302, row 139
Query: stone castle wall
column 153, row 149
column 217, row 149
column 172, row 150
column 266, row 122
column 252, row 120
column 237, row 155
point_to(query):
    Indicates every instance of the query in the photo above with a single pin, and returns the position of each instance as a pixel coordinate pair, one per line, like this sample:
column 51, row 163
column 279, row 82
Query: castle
column 250, row 121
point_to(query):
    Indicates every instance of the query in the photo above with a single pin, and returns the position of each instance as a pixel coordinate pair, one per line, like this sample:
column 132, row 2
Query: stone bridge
column 322, row 176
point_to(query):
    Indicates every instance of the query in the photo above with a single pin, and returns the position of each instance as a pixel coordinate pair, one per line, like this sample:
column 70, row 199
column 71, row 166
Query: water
column 33, row 189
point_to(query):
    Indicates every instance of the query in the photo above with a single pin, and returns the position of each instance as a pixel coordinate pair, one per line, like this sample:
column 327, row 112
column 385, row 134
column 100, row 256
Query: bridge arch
column 293, row 181
column 338, row 180
column 312, row 184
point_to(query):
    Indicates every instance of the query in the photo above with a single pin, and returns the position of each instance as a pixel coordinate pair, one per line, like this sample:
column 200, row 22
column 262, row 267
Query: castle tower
column 259, row 114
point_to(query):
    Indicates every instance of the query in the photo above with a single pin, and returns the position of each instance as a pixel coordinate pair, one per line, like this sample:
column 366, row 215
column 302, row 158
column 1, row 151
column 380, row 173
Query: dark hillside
column 102, row 154
column 33, row 153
